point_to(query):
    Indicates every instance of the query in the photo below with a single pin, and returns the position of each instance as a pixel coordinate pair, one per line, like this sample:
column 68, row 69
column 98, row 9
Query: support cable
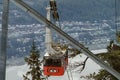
column 68, row 75
column 46, row 77
column 70, row 70
column 71, row 74
column 116, row 16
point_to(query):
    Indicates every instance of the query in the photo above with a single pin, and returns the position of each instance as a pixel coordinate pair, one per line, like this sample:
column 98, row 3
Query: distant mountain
column 94, row 35
column 87, row 9
column 69, row 10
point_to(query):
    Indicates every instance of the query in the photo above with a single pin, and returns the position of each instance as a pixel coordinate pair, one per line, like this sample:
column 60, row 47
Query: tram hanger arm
column 72, row 41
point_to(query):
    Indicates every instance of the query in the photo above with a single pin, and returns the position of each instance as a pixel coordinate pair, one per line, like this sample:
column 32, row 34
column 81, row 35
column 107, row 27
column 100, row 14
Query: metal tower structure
column 64, row 35
column 3, row 39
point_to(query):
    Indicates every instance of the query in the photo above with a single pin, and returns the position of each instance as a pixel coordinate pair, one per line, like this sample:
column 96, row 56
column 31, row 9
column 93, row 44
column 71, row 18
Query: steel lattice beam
column 3, row 39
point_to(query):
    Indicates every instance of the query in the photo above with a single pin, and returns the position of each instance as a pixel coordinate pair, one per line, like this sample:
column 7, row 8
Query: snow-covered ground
column 16, row 72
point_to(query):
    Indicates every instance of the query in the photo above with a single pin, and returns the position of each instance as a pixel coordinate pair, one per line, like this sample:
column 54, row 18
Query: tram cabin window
column 52, row 62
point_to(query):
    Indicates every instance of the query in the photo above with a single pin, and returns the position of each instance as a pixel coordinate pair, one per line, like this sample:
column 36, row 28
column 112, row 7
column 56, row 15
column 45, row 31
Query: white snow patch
column 20, row 73
column 99, row 51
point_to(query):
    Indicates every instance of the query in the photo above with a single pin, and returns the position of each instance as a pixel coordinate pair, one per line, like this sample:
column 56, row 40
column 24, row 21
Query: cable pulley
column 54, row 12
column 53, row 5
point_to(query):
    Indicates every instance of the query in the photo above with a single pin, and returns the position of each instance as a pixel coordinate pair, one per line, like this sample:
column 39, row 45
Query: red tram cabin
column 55, row 65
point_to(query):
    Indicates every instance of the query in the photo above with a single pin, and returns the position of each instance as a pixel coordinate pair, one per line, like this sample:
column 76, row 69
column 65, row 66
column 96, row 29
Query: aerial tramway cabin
column 56, row 56
column 55, row 65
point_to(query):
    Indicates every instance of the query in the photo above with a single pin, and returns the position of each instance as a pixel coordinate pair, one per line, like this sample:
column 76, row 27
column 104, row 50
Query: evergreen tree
column 112, row 58
column 34, row 64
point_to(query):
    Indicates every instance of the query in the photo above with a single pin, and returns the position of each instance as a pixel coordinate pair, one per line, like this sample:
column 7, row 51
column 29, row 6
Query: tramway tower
column 48, row 36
